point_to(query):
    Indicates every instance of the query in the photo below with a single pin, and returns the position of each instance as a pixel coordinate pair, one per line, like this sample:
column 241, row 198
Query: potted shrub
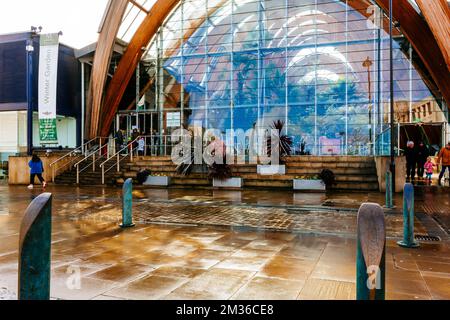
column 322, row 182
column 221, row 174
column 309, row 183
column 328, row 177
column 285, row 150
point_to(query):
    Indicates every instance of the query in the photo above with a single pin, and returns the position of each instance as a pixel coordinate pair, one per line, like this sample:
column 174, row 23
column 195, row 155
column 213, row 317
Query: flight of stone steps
column 352, row 173
column 89, row 177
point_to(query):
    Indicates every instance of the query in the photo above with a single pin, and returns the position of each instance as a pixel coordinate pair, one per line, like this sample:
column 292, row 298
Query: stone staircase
column 88, row 177
column 352, row 173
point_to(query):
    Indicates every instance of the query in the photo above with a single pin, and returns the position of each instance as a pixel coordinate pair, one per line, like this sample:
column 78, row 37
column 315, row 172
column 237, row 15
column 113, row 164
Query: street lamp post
column 30, row 51
column 391, row 70
column 367, row 64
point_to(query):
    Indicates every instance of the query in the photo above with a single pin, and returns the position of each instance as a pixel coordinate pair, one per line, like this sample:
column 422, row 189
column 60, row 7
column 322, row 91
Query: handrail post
column 35, row 250
column 78, row 174
column 371, row 253
column 408, row 218
column 389, row 191
column 100, row 148
column 127, row 204
column 165, row 145
column 53, row 174
column 118, row 162
column 103, row 174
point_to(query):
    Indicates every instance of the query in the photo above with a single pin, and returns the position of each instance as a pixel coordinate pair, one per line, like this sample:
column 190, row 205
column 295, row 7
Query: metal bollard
column 127, row 204
column 34, row 250
column 371, row 253
column 389, row 191
column 408, row 218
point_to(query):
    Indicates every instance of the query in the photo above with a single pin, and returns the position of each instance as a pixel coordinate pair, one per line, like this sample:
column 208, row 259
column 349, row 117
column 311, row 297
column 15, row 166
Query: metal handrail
column 117, row 155
column 70, row 154
column 132, row 150
column 94, row 159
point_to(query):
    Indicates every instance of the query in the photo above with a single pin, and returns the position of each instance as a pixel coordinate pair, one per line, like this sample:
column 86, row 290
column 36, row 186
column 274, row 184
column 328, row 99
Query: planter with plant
column 221, row 174
column 158, row 180
column 322, row 182
column 309, row 183
column 285, row 150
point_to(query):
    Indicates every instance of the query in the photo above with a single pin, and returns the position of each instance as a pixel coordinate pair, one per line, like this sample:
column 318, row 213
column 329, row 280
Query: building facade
column 14, row 98
column 319, row 66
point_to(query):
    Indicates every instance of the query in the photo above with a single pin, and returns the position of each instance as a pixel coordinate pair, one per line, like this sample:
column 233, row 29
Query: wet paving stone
column 214, row 246
column 319, row 289
column 270, row 289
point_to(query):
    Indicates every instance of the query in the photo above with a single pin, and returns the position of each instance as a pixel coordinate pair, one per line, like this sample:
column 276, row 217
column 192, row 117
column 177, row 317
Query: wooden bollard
column 34, row 250
column 389, row 191
column 127, row 204
column 408, row 218
column 371, row 252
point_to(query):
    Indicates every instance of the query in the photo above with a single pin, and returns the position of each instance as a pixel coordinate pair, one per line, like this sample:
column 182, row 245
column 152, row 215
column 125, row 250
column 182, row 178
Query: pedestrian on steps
column 422, row 155
column 411, row 160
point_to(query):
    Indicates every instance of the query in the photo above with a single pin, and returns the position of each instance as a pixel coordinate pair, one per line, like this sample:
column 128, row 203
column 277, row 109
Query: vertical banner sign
column 48, row 75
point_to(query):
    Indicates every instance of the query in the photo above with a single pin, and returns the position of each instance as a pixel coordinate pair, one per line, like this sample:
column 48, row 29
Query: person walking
column 444, row 160
column 422, row 155
column 36, row 169
column 411, row 160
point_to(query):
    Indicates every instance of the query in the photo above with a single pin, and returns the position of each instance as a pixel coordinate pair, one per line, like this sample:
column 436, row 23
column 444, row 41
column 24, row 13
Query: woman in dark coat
column 36, row 169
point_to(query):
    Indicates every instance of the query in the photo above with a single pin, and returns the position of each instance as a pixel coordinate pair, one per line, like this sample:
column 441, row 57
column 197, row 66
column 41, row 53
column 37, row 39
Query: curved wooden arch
column 413, row 26
column 127, row 66
column 105, row 46
column 417, row 31
column 437, row 14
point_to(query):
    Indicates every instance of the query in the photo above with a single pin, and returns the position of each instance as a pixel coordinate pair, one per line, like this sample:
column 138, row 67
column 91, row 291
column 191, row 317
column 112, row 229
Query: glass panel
column 320, row 66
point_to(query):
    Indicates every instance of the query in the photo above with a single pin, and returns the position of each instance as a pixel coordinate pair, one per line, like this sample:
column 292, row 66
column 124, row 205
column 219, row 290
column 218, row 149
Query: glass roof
column 135, row 13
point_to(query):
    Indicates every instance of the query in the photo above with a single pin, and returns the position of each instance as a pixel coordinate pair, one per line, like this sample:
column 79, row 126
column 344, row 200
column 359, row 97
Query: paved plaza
column 204, row 244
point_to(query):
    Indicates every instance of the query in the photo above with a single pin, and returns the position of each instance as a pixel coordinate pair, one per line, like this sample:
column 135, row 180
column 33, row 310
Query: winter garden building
column 320, row 66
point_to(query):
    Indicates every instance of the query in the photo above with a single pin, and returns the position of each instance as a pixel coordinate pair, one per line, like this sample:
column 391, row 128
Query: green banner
column 47, row 131
column 48, row 77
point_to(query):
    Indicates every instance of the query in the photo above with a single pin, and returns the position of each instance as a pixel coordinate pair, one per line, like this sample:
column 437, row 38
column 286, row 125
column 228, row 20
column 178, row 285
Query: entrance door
column 430, row 134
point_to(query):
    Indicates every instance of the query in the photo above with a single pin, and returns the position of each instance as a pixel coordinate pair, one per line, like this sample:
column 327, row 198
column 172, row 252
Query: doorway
column 431, row 134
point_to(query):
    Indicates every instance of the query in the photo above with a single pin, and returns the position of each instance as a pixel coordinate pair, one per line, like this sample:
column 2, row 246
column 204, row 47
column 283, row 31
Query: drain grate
column 427, row 238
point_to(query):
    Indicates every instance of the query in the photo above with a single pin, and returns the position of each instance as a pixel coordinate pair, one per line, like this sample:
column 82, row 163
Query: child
column 36, row 169
column 429, row 166
column 141, row 146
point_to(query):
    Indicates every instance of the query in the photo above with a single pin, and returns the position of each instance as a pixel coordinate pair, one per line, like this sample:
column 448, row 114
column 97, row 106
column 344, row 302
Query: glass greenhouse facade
column 320, row 66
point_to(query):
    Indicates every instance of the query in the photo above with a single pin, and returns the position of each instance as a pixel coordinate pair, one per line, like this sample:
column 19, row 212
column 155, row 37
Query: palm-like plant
column 220, row 171
column 286, row 142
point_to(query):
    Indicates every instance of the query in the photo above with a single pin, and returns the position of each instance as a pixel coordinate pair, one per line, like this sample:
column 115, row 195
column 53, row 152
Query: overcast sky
column 77, row 19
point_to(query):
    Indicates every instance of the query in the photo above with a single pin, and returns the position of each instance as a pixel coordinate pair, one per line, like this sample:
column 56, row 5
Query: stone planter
column 157, row 181
column 309, row 185
column 233, row 183
column 269, row 170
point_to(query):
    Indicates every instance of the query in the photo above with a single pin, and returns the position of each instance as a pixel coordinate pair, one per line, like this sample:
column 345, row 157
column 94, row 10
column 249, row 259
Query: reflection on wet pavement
column 194, row 244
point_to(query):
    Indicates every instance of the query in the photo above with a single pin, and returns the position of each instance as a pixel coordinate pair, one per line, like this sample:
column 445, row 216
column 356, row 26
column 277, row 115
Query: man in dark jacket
column 119, row 140
column 411, row 160
column 422, row 155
